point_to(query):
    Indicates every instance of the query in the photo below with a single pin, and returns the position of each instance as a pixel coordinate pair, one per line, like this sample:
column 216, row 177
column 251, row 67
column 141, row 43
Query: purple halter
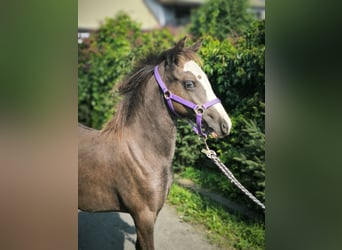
column 197, row 108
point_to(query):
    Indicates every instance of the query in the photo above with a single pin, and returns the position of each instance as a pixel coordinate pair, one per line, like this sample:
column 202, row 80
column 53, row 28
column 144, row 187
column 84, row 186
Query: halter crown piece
column 197, row 108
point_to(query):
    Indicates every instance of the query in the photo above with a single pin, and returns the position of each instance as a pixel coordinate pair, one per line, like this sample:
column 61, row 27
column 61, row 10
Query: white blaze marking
column 194, row 68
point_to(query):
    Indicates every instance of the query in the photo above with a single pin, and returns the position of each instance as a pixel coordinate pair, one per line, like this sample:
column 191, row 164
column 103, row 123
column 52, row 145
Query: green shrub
column 236, row 71
column 220, row 18
column 105, row 59
column 188, row 147
column 252, row 158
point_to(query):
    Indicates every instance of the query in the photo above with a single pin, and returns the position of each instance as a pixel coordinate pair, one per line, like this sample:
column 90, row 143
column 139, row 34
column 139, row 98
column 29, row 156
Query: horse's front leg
column 144, row 224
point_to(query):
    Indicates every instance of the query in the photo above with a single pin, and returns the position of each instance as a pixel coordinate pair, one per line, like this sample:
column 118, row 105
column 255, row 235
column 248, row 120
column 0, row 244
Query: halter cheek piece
column 197, row 108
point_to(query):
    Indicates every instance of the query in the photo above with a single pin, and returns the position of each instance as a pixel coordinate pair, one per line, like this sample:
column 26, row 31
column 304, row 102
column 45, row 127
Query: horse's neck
column 153, row 127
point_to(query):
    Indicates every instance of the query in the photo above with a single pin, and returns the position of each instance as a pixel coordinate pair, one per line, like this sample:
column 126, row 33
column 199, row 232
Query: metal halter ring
column 199, row 109
column 167, row 94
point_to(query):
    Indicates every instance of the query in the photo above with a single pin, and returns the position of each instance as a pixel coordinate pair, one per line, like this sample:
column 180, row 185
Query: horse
column 127, row 165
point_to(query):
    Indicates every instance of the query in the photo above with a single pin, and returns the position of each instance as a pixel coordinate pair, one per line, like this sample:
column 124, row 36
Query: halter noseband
column 197, row 108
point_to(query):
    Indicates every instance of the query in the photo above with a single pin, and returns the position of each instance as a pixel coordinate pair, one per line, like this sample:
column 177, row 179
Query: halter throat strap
column 197, row 108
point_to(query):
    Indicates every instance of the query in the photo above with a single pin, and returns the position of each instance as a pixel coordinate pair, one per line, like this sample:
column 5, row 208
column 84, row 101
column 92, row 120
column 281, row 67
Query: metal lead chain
column 211, row 154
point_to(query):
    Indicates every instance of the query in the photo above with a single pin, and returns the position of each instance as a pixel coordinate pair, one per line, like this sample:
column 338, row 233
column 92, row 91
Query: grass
column 216, row 181
column 223, row 229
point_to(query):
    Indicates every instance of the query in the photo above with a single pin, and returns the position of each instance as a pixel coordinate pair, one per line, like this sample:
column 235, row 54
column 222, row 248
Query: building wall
column 91, row 13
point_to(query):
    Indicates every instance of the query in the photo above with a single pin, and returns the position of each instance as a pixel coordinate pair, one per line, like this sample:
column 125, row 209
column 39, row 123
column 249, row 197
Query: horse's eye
column 189, row 84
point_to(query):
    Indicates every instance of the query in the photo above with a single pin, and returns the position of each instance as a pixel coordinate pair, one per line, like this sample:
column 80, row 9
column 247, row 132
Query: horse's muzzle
column 225, row 127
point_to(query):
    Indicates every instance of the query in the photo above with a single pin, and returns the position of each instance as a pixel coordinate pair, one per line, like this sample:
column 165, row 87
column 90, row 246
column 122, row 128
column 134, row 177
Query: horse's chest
column 157, row 187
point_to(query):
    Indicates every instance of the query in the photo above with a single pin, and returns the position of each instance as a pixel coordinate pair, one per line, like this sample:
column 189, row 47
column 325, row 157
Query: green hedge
column 220, row 19
column 105, row 59
column 236, row 71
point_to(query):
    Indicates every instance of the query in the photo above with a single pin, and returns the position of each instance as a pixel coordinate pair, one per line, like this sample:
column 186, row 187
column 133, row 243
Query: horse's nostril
column 224, row 127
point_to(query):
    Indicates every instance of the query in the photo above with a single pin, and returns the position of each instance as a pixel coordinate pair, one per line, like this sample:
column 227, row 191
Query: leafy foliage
column 105, row 59
column 236, row 72
column 252, row 158
column 188, row 147
column 220, row 18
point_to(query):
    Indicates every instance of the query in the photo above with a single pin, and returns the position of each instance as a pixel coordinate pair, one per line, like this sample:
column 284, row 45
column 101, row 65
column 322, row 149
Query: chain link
column 211, row 154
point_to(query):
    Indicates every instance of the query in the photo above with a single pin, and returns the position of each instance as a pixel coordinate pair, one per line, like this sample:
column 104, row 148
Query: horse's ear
column 172, row 54
column 180, row 44
column 196, row 46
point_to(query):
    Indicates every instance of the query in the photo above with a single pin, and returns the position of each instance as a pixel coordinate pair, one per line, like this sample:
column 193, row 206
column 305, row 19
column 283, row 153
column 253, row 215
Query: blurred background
column 39, row 112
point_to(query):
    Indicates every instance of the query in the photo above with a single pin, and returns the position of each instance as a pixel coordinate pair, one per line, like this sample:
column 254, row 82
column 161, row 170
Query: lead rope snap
column 207, row 151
